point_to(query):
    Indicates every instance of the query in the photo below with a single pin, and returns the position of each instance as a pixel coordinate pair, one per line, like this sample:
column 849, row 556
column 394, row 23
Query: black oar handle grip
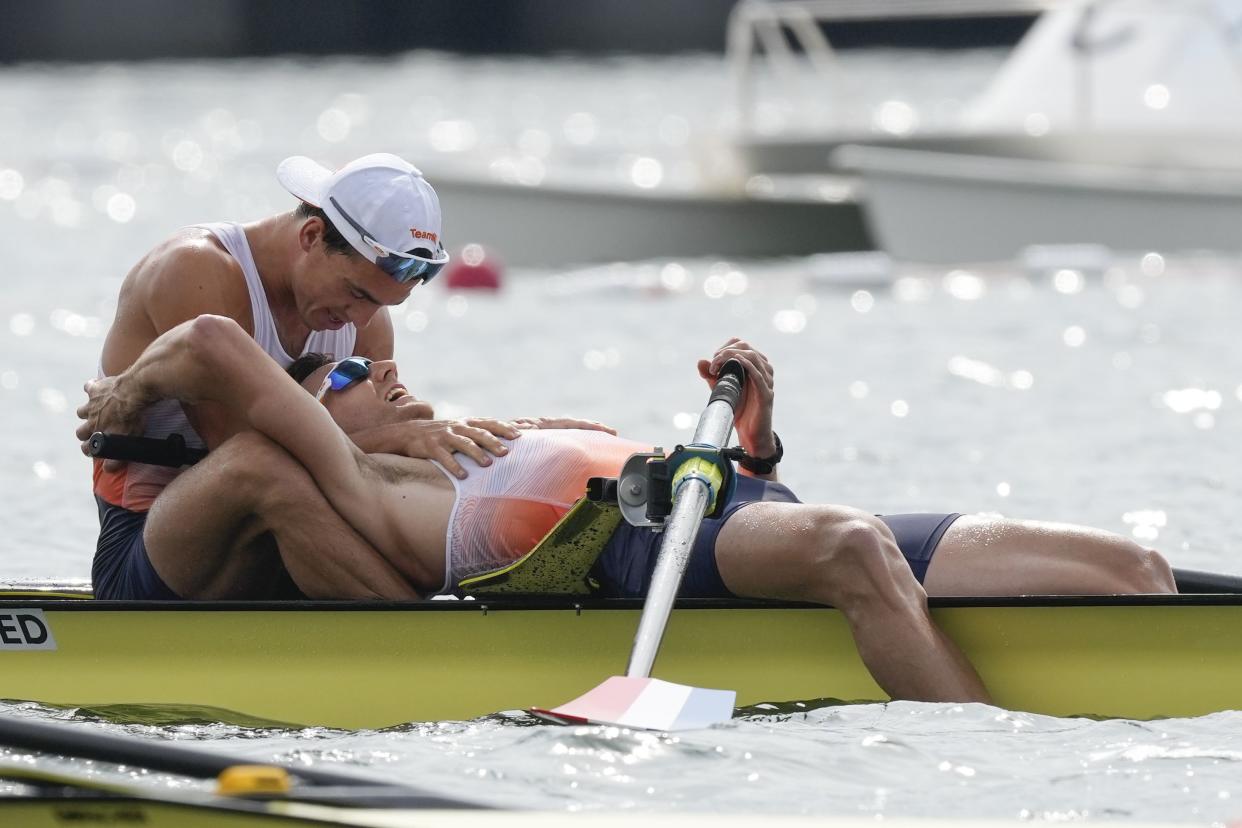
column 201, row 764
column 729, row 384
column 171, row 451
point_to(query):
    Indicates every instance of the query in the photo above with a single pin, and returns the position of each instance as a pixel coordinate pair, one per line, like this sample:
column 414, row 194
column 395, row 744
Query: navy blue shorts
column 122, row 571
column 625, row 566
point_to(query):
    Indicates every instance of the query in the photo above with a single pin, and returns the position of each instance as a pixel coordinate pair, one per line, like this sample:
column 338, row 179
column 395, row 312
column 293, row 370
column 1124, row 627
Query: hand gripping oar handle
column 690, row 503
column 171, row 451
column 728, row 390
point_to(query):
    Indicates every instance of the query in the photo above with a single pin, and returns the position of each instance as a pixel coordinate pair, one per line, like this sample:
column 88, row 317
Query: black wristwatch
column 763, row 465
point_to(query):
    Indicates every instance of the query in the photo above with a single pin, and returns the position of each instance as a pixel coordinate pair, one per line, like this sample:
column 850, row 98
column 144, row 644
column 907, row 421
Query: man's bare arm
column 185, row 276
column 211, row 359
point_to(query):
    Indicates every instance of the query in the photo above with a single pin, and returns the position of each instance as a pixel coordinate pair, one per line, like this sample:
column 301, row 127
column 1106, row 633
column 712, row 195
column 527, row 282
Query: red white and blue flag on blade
column 646, row 704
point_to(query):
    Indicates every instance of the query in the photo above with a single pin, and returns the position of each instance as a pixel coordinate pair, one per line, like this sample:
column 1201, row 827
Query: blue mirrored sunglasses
column 404, row 267
column 407, row 270
column 346, row 373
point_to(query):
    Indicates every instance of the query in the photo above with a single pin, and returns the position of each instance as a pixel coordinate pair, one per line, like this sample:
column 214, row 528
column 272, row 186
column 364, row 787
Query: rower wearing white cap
column 382, row 206
column 315, row 279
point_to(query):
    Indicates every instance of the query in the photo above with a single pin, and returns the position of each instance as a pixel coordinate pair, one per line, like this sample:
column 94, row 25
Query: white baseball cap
column 383, row 207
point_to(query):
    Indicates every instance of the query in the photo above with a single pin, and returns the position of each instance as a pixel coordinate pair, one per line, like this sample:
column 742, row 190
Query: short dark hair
column 307, row 364
column 332, row 237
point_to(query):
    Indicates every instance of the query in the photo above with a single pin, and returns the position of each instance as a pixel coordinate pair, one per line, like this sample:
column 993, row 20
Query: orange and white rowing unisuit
column 503, row 510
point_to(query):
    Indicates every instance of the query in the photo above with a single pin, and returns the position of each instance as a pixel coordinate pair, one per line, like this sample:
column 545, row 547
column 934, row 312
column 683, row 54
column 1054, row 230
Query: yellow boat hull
column 367, row 666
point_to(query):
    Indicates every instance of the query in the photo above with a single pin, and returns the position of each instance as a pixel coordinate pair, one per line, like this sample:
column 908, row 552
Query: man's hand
column 532, row 423
column 753, row 418
column 478, row 438
column 108, row 408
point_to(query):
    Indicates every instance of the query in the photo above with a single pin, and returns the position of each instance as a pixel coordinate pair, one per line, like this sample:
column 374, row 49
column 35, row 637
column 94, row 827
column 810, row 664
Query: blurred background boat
column 765, row 189
column 688, row 194
column 1113, row 123
column 781, row 49
column 613, row 219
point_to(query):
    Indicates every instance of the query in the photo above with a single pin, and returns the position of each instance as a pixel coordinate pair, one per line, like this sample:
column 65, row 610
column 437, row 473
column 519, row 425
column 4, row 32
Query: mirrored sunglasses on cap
column 347, row 372
column 404, row 267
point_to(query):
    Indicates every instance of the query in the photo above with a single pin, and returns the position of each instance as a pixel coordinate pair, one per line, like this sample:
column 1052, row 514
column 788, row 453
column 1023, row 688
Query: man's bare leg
column 206, row 534
column 980, row 555
column 849, row 559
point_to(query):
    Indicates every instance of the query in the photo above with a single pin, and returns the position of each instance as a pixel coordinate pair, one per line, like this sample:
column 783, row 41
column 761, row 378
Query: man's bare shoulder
column 190, row 274
column 193, row 257
column 185, row 276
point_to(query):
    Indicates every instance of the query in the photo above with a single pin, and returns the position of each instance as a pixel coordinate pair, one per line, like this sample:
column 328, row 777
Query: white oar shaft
column 689, row 505
column 715, row 425
column 675, row 547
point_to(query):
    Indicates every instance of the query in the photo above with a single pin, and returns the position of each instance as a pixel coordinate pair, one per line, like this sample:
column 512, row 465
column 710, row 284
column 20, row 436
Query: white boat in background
column 552, row 223
column 753, row 193
column 1112, row 123
column 762, row 57
column 1115, row 123
column 979, row 199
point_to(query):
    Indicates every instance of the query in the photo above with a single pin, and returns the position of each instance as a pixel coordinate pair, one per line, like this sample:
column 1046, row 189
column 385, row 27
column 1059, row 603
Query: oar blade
column 645, row 704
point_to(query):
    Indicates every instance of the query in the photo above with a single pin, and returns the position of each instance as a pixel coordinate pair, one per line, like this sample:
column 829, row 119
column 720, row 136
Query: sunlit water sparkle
column 1108, row 398
column 900, row 759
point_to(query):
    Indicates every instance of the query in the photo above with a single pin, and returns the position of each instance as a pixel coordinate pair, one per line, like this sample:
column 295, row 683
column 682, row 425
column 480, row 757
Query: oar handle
column 171, row 451
column 1194, row 581
column 729, row 384
column 716, row 424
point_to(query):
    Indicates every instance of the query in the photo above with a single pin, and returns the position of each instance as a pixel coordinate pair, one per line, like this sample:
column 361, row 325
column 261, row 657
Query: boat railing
column 773, row 28
column 766, row 27
column 1087, row 43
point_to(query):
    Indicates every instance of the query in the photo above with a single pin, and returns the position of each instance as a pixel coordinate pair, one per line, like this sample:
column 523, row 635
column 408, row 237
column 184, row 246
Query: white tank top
column 337, row 344
column 142, row 483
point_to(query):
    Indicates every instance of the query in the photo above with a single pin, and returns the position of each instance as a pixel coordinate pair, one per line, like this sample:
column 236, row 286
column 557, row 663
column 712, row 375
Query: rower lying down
column 422, row 531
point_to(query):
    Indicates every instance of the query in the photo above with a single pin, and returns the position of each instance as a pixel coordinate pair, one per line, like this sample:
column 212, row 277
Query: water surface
column 1109, row 397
